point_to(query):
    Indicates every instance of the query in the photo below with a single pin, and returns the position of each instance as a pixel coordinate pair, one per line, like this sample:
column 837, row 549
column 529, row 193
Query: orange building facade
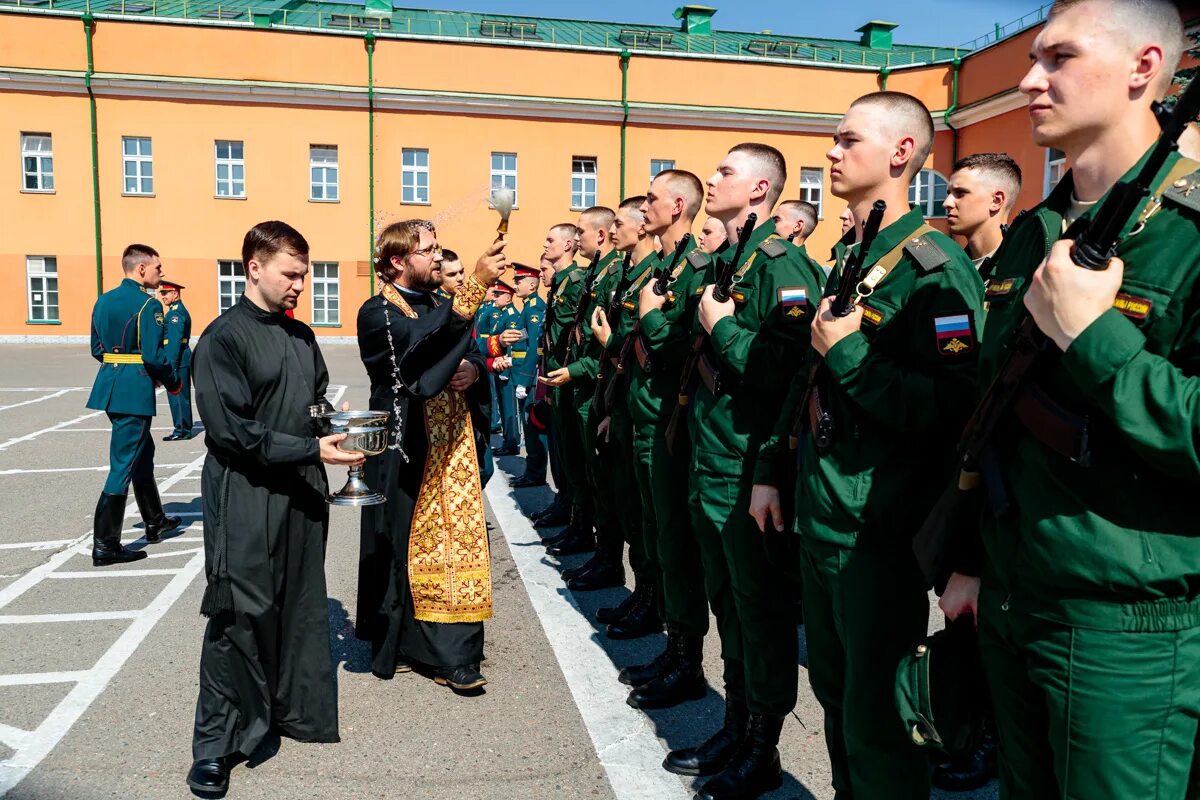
column 204, row 127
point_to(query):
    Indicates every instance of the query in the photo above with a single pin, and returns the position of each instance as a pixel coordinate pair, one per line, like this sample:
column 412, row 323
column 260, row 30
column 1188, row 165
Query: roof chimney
column 696, row 19
column 877, row 34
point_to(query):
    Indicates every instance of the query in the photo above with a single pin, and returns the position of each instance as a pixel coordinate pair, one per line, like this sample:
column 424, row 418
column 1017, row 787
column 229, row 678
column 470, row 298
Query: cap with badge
column 168, row 285
column 523, row 271
column 502, row 286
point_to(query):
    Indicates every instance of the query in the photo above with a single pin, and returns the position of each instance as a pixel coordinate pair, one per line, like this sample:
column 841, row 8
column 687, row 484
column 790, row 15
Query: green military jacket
column 757, row 349
column 586, row 366
column 624, row 320
column 667, row 335
column 1110, row 543
column 568, row 286
column 898, row 390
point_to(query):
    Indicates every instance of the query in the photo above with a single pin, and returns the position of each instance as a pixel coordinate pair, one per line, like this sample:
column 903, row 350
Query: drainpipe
column 89, row 27
column 883, row 76
column 956, row 64
column 369, row 38
column 624, row 113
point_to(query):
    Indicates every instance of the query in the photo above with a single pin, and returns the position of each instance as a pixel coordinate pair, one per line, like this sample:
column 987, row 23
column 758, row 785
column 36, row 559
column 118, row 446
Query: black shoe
column 174, row 437
column 526, row 482
column 150, row 506
column 506, row 451
column 712, row 756
column 595, row 562
column 574, row 545
column 968, row 772
column 637, row 674
column 754, row 769
column 604, row 576
column 106, row 533
column 642, row 619
column 681, row 681
column 552, row 517
column 209, row 776
column 463, row 678
column 611, row 614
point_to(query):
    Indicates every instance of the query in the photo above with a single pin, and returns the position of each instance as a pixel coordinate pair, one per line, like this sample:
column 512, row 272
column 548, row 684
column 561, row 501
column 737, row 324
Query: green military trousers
column 568, row 443
column 609, row 542
column 625, row 496
column 667, row 527
column 865, row 607
column 1091, row 714
column 747, row 584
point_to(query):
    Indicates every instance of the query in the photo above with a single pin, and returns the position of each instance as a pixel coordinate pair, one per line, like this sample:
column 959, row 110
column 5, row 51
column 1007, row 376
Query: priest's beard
column 422, row 279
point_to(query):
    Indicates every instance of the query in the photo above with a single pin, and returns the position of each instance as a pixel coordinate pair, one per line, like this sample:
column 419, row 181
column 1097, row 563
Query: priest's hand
column 649, row 300
column 713, row 310
column 491, row 264
column 557, row 377
column 765, row 507
column 511, row 336
column 466, row 374
column 600, row 327
column 330, row 453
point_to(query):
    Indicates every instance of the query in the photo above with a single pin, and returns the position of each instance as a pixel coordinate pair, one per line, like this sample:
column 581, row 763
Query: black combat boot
column 581, row 539
column 606, row 573
column 712, row 756
column 643, row 618
column 683, row 679
column 557, row 513
column 637, row 674
column 155, row 519
column 578, row 524
column 106, row 533
column 611, row 614
column 754, row 769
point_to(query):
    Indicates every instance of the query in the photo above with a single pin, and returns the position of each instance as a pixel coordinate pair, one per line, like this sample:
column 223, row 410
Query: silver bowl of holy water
column 366, row 433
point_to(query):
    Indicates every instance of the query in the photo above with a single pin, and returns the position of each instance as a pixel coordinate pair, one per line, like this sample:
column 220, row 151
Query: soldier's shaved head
column 1135, row 24
column 769, row 163
column 680, row 183
column 904, row 116
column 598, row 217
column 632, row 207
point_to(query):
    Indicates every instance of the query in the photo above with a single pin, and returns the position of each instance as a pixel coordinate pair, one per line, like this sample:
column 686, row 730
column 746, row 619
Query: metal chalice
column 366, row 433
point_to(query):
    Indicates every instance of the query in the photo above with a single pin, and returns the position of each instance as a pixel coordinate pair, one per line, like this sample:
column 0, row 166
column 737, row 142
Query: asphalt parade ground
column 98, row 667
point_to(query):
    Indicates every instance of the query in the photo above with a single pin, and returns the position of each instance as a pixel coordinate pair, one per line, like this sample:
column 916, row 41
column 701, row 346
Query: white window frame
column 410, row 176
column 232, row 165
column 43, row 171
column 584, row 175
column 922, row 192
column 41, row 270
column 323, row 173
column 142, row 164
column 812, row 188
column 503, row 177
column 658, row 165
column 326, row 286
column 231, row 283
column 1056, row 168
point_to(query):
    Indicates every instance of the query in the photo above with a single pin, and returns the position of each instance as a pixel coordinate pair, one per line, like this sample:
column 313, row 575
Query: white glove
column 522, row 392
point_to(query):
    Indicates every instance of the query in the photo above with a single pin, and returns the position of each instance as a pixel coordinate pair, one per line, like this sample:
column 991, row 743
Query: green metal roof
column 504, row 29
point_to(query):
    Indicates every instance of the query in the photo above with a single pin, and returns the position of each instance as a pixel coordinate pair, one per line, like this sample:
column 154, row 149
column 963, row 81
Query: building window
column 325, row 293
column 927, row 192
column 504, row 173
column 37, row 163
column 812, row 181
column 231, row 282
column 323, row 172
column 583, row 183
column 138, row 165
column 42, row 274
column 658, row 165
column 414, row 176
column 231, row 169
column 1056, row 167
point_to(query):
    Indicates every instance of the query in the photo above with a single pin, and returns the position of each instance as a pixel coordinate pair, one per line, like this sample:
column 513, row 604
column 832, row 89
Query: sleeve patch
column 955, row 334
column 872, row 315
column 1137, row 308
column 794, row 301
column 1000, row 288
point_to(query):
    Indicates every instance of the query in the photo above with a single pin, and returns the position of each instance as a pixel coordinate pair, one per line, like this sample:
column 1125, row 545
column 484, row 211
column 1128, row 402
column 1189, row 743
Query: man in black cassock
column 424, row 570
column 264, row 665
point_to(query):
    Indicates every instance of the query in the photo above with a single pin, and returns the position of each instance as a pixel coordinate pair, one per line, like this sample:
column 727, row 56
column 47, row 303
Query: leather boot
column 683, row 680
column 592, row 563
column 642, row 619
column 611, row 614
column 754, row 769
column 554, row 514
column 578, row 525
column 712, row 756
column 607, row 574
column 106, row 533
column 209, row 776
column 581, row 541
column 637, row 674
column 155, row 519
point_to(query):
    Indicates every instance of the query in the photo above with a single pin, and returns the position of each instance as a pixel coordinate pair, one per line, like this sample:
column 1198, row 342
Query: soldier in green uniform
column 178, row 324
column 658, row 348
column 754, row 341
column 1089, row 614
column 795, row 220
column 880, row 414
column 127, row 340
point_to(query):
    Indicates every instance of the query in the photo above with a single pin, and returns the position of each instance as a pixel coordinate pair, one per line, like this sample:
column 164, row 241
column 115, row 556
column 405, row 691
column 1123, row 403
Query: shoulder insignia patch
column 575, row 277
column 158, row 317
column 927, row 254
column 1137, row 308
column 872, row 315
column 794, row 300
column 1184, row 192
column 175, row 320
column 773, row 248
column 954, row 333
column 698, row 259
column 534, row 318
column 1000, row 288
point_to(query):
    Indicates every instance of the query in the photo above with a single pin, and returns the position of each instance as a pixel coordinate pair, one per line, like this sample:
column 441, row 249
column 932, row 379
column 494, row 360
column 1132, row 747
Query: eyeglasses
column 430, row 252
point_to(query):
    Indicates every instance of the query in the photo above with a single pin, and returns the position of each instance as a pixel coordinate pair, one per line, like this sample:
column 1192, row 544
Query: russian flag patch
column 955, row 334
column 794, row 300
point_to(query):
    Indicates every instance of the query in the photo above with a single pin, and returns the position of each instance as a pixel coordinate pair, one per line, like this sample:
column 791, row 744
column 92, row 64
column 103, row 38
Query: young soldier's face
column 557, row 245
column 280, row 278
column 659, row 207
column 732, row 186
column 626, row 230
column 970, row 202
column 453, row 276
column 787, row 223
column 547, row 273
column 526, row 286
column 503, row 299
column 712, row 235
column 587, row 242
column 862, row 151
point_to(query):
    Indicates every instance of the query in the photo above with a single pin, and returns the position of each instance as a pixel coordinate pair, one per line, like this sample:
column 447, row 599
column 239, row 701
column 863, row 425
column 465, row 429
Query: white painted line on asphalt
column 49, row 545
column 195, row 430
column 13, row 737
column 39, row 678
column 44, row 388
column 170, row 553
column 31, row 436
column 50, row 396
column 182, row 539
column 111, row 573
column 72, row 469
column 623, row 737
column 84, row 616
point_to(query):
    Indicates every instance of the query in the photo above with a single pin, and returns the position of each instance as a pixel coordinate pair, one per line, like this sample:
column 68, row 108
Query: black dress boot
column 611, row 614
column 579, row 524
column 712, row 756
column 683, row 680
column 155, row 519
column 754, row 769
column 581, row 541
column 595, row 562
column 106, row 533
column 642, row 619
column 552, row 516
column 607, row 574
column 637, row 674
column 209, row 776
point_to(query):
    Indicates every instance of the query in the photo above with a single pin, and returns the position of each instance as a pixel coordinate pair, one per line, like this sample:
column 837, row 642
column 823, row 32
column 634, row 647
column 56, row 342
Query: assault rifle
column 662, row 283
column 1095, row 244
column 576, row 333
column 601, row 394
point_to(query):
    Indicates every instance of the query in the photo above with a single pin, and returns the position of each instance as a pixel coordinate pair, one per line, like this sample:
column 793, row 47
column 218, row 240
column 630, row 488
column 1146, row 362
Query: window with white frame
column 812, row 181
column 1056, row 167
column 504, row 173
column 42, row 280
column 325, row 296
column 231, row 282
column 323, row 172
column 231, row 169
column 658, row 165
column 137, row 165
column 583, row 182
column 414, row 176
column 927, row 192
column 37, row 162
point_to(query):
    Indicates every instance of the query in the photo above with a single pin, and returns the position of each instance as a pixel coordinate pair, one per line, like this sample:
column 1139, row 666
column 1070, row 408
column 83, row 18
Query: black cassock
column 265, row 661
column 427, row 350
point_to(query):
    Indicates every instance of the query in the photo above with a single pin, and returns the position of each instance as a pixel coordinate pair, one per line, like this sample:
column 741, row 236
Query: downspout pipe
column 955, row 66
column 883, row 76
column 89, row 28
column 369, row 39
column 625, row 54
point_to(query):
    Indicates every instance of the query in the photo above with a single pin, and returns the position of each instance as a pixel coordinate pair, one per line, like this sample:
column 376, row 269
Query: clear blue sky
column 934, row 22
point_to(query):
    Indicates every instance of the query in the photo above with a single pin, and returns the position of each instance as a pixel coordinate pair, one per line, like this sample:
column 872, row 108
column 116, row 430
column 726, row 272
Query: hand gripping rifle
column 1095, row 244
column 721, row 291
column 662, row 283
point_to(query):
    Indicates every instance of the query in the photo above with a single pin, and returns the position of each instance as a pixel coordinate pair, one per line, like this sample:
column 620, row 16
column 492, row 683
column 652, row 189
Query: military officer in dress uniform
column 178, row 323
column 505, row 333
column 525, row 354
column 127, row 340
